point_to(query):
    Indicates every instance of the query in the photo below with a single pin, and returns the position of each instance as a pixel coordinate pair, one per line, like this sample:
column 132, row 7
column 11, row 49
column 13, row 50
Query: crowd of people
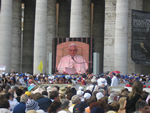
column 112, row 79
column 20, row 93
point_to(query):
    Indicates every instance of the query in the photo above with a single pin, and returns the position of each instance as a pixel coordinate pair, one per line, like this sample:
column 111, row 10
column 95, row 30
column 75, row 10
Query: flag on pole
column 40, row 67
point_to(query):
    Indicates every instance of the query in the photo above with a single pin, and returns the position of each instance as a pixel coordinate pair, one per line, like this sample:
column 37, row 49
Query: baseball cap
column 78, row 108
column 87, row 95
column 28, row 93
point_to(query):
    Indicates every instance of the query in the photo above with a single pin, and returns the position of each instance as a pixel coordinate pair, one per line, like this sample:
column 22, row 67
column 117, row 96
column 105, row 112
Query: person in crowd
column 24, row 89
column 55, row 107
column 43, row 102
column 15, row 88
column 46, row 80
column 11, row 90
column 19, row 92
column 122, row 102
column 29, row 94
column 93, row 87
column 7, row 87
column 64, row 106
column 99, row 95
column 62, row 96
column 87, row 96
column 2, row 96
column 75, row 100
column 102, row 91
column 144, row 95
column 97, row 110
column 74, row 91
column 62, row 90
column 103, row 85
column 13, row 78
column 72, row 60
column 102, row 103
column 31, row 111
column 124, row 92
column 134, row 96
column 32, row 105
column 54, row 96
column 20, row 108
column 80, row 94
column 4, row 79
column 142, row 107
column 8, row 80
column 45, row 94
column 121, row 79
column 35, row 89
column 102, row 80
column 113, row 97
column 92, row 105
column 51, row 89
column 68, row 97
column 79, row 108
column 21, row 80
column 108, row 77
column 114, row 80
column 89, row 101
column 12, row 101
column 57, row 87
column 4, row 106
column 115, row 106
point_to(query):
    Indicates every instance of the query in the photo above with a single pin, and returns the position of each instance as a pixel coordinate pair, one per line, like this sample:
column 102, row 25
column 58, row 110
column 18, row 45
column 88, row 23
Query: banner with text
column 2, row 68
column 140, row 47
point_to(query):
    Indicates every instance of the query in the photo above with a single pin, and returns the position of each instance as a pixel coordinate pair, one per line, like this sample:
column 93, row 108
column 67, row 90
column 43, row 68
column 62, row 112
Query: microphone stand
column 77, row 62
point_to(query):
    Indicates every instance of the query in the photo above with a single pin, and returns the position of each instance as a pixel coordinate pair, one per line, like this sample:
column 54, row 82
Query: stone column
column 86, row 19
column 76, row 18
column 121, row 37
column 40, row 35
column 16, row 36
column 51, row 28
column 6, row 34
column 109, row 36
column 28, row 36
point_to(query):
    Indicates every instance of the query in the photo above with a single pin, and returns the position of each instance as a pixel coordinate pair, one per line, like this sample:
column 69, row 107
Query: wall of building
column 110, row 16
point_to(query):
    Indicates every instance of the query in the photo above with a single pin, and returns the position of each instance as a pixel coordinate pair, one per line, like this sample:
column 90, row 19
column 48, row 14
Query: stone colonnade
column 109, row 29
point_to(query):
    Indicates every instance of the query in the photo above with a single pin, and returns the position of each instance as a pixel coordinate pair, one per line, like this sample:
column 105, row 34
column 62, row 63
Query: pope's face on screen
column 72, row 50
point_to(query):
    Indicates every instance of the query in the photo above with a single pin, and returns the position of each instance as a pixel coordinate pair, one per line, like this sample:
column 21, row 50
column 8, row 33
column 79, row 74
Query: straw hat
column 62, row 90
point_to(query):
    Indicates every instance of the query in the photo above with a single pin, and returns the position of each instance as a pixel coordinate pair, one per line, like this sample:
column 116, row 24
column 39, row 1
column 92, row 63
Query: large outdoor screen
column 72, row 55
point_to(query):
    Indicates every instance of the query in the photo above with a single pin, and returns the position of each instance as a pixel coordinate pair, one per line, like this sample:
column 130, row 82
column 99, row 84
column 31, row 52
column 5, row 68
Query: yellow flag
column 40, row 67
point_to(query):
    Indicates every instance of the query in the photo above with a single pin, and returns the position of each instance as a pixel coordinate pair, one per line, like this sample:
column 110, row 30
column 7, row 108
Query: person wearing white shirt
column 93, row 87
column 12, row 101
column 102, row 79
column 72, row 60
column 114, row 80
column 21, row 81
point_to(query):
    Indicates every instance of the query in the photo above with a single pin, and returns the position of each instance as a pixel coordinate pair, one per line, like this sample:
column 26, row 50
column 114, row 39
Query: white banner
column 2, row 68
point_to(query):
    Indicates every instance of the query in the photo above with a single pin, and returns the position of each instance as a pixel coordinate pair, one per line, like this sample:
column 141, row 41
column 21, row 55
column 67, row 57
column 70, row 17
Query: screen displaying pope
column 72, row 61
